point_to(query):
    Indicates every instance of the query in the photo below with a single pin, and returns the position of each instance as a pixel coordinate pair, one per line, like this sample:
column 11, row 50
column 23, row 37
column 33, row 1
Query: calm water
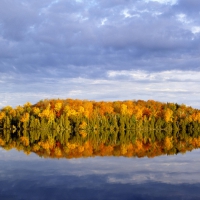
column 163, row 177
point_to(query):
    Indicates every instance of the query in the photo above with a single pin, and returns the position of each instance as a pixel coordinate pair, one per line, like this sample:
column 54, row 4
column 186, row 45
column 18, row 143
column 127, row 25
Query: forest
column 70, row 128
column 83, row 114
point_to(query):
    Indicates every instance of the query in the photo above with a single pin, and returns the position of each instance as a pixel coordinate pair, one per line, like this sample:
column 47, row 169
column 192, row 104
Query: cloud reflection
column 163, row 177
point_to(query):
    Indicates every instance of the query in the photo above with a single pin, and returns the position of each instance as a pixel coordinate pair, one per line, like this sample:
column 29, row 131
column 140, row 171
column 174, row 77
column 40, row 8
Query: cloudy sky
column 100, row 50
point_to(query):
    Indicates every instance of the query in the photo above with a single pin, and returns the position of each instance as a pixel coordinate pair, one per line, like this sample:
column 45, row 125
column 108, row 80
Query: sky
column 100, row 50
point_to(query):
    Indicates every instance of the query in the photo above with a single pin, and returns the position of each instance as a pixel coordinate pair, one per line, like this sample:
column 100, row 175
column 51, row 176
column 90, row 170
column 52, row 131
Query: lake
column 111, row 177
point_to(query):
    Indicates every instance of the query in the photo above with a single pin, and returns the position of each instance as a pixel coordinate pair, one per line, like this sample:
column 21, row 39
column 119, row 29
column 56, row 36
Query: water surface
column 162, row 177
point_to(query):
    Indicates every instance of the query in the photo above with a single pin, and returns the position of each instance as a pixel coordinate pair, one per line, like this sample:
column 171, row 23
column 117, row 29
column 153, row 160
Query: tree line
column 74, row 114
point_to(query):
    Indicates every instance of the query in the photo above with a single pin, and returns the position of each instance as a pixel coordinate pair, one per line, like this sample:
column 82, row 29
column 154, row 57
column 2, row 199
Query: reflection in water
column 164, row 177
column 99, row 173
column 109, row 177
column 82, row 143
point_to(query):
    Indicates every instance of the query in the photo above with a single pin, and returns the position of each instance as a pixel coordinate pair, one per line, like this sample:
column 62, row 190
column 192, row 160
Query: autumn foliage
column 80, row 128
column 84, row 114
column 66, row 144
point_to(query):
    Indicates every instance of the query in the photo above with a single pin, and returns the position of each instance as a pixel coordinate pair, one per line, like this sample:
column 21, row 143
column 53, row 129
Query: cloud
column 61, row 34
column 165, row 86
column 190, row 6
column 175, row 170
column 87, row 40
column 163, row 76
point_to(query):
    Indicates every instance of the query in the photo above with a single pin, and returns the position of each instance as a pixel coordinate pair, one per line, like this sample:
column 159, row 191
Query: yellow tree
column 36, row 110
column 2, row 115
column 25, row 117
column 123, row 109
column 138, row 112
column 168, row 115
column 47, row 114
column 58, row 106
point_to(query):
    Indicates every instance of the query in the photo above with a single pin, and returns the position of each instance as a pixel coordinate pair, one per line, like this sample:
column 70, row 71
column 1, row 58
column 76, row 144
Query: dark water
column 30, row 177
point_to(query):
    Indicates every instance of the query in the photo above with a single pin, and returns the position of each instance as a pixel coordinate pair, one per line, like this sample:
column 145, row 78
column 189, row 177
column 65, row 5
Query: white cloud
column 126, row 14
column 173, row 75
column 195, row 29
column 183, row 18
column 103, row 21
column 189, row 24
column 171, row 2
column 167, row 86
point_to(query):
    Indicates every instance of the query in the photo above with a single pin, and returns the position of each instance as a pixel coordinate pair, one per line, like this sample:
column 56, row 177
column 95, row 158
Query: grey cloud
column 59, row 40
column 16, row 18
column 60, row 34
column 109, row 4
column 190, row 6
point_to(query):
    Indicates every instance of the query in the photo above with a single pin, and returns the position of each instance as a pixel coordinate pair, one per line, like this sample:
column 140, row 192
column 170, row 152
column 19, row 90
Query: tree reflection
column 82, row 143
